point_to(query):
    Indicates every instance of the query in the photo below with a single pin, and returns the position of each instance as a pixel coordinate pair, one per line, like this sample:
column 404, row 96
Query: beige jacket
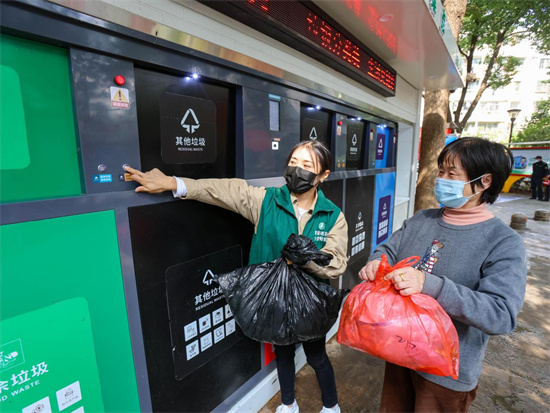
column 237, row 196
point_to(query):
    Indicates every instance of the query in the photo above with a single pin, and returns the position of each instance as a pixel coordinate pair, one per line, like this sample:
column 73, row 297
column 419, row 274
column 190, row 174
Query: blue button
column 103, row 178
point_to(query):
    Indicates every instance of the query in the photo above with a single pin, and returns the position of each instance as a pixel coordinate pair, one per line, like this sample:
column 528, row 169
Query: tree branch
column 512, row 34
column 488, row 72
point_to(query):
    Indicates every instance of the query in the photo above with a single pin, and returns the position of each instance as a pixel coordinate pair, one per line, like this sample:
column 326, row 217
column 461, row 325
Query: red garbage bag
column 412, row 331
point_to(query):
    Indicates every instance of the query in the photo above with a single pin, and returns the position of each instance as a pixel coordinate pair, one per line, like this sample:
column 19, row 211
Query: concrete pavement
column 516, row 371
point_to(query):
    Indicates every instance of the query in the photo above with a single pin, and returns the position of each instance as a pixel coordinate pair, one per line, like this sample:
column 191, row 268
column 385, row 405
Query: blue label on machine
column 102, row 178
column 383, row 208
column 381, row 147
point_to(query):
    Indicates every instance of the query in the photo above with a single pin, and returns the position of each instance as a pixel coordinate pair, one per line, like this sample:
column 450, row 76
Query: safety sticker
column 120, row 97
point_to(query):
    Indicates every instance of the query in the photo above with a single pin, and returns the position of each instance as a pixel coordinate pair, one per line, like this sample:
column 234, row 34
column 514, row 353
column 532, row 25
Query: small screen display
column 274, row 116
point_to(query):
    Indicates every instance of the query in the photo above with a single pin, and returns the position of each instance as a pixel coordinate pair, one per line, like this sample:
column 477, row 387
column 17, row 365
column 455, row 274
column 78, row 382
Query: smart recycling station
column 107, row 298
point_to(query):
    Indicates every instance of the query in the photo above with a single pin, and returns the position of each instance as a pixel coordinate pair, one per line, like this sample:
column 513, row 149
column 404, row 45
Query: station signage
column 359, row 214
column 355, row 142
column 202, row 325
column 384, row 196
column 187, row 129
column 313, row 129
column 383, row 219
column 380, row 144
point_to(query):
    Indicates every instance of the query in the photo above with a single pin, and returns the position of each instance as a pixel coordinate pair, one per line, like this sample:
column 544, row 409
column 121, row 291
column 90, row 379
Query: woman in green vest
column 298, row 207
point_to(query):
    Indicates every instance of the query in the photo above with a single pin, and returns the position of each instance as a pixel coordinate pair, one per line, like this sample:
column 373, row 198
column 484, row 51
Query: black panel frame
column 163, row 236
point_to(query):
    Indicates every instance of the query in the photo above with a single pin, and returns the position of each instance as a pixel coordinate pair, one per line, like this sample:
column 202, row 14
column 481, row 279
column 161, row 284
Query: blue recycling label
column 102, row 178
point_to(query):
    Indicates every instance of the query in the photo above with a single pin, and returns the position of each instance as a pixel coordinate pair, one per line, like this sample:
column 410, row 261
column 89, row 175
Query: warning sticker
column 120, row 97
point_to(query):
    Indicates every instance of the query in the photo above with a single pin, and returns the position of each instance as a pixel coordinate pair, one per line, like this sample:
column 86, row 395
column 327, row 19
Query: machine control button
column 101, row 168
column 119, row 80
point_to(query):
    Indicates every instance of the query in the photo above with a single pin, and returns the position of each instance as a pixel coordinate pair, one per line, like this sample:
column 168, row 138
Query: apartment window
column 487, row 126
column 516, row 87
column 544, row 63
column 476, row 61
column 469, row 126
column 514, row 105
column 490, row 106
column 542, row 86
column 473, row 85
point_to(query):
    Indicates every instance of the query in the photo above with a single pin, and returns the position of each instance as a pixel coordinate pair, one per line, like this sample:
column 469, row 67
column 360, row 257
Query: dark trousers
column 536, row 188
column 547, row 192
column 317, row 358
column 407, row 391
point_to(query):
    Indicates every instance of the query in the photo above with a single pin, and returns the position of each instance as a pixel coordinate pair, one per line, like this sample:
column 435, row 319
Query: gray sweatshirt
column 476, row 272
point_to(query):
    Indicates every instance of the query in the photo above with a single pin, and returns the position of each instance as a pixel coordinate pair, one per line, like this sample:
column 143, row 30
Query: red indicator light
column 340, row 123
column 119, row 80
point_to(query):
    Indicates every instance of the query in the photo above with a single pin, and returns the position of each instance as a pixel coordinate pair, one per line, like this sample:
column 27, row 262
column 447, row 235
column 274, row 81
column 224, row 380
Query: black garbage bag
column 278, row 303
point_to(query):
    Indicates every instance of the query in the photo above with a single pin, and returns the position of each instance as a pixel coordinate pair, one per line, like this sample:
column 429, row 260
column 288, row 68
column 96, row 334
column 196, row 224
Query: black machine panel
column 359, row 210
column 392, row 149
column 334, row 190
column 370, row 145
column 355, row 136
column 186, row 125
column 316, row 125
column 271, row 128
column 197, row 368
column 106, row 115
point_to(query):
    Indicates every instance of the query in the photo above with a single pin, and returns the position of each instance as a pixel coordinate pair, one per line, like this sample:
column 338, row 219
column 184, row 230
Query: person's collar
column 294, row 200
column 469, row 216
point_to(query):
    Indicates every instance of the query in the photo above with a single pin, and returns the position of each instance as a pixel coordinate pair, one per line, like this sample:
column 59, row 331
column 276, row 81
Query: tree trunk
column 436, row 107
column 436, row 104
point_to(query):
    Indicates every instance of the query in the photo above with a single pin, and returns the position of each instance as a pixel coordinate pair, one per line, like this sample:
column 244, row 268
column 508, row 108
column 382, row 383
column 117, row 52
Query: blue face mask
column 449, row 192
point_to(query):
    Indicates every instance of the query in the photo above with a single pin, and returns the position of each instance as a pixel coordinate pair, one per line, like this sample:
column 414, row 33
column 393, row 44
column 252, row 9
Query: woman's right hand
column 368, row 272
column 153, row 181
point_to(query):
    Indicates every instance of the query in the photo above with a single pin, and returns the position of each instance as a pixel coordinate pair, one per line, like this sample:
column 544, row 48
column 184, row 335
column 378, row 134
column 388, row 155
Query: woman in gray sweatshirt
column 472, row 264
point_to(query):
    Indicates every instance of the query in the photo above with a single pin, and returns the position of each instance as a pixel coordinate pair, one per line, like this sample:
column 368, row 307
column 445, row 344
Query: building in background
column 490, row 119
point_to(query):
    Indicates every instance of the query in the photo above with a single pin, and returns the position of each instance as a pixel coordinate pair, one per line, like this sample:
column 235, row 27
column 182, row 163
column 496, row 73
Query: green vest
column 278, row 220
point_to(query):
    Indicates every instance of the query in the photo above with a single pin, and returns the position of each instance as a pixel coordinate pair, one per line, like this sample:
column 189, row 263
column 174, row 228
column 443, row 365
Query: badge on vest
column 321, row 235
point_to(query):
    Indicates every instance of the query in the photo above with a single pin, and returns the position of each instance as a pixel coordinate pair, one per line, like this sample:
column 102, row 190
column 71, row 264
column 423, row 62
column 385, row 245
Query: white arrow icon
column 313, row 134
column 208, row 277
column 190, row 127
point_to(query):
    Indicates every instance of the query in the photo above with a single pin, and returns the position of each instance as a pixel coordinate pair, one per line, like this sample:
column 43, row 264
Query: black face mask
column 299, row 180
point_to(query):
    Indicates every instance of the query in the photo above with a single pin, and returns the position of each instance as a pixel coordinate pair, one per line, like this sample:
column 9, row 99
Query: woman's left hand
column 407, row 280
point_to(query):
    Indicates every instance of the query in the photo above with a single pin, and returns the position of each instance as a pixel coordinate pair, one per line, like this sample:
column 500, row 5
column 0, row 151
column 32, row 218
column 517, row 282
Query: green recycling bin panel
column 47, row 360
column 64, row 336
column 38, row 147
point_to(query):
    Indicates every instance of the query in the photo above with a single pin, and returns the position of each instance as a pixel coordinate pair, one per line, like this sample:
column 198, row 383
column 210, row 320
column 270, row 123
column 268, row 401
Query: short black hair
column 478, row 157
column 538, row 157
column 318, row 150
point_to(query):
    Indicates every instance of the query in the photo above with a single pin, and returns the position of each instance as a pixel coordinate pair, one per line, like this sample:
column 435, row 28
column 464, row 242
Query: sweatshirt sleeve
column 337, row 245
column 493, row 306
column 232, row 194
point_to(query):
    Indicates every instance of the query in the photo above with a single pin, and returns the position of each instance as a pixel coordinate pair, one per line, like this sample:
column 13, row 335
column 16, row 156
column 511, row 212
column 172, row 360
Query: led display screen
column 292, row 22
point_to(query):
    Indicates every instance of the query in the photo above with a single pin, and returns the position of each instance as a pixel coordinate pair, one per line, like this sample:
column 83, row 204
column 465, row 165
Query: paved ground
column 516, row 372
